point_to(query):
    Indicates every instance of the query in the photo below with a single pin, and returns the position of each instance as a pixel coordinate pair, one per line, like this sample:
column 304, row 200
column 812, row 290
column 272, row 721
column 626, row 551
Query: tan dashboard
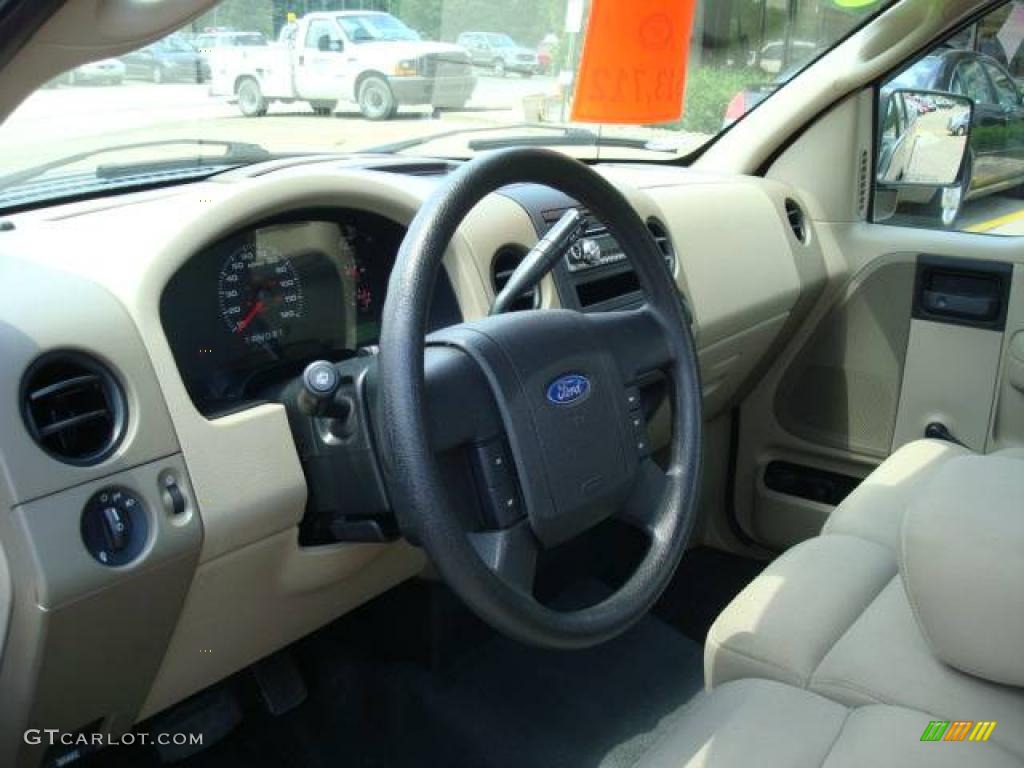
column 222, row 581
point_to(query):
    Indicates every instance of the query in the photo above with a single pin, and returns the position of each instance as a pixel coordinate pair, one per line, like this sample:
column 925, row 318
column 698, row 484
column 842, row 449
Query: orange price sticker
column 633, row 68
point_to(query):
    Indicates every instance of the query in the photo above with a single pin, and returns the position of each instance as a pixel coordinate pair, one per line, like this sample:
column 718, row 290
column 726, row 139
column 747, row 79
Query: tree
column 526, row 21
column 246, row 15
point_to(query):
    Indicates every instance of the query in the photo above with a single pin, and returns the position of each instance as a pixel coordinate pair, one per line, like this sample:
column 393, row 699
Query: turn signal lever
column 539, row 261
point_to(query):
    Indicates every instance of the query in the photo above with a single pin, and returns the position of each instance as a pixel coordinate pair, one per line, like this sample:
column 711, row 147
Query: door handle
column 960, row 305
column 967, row 292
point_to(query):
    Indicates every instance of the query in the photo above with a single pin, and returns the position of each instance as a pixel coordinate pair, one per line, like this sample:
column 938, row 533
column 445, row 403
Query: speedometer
column 259, row 293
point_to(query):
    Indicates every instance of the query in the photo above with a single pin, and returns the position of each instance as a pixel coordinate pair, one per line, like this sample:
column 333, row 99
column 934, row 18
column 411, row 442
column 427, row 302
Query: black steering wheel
column 560, row 388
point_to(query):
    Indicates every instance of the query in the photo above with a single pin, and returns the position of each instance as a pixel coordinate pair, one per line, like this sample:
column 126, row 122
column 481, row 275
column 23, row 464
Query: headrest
column 962, row 563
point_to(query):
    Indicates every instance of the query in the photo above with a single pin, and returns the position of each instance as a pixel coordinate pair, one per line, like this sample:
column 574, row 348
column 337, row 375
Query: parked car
column 500, row 53
column 104, row 72
column 171, row 59
column 995, row 157
column 773, row 58
column 368, row 57
column 750, row 97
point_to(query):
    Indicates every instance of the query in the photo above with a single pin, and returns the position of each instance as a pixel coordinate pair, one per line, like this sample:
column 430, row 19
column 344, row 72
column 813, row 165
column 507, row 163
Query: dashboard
column 196, row 305
column 258, row 305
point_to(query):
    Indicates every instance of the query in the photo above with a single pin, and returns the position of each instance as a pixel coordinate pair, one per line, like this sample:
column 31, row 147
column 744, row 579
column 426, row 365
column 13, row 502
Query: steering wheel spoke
column 636, row 338
column 460, row 407
column 642, row 505
column 510, row 553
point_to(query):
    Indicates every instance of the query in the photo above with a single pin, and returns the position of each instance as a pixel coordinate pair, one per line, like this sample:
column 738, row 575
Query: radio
column 597, row 247
column 594, row 274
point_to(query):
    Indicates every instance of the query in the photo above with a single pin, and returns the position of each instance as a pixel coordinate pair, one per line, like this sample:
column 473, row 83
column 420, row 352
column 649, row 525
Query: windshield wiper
column 235, row 154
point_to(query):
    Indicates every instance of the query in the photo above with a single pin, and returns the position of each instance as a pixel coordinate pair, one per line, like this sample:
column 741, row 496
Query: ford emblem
column 568, row 389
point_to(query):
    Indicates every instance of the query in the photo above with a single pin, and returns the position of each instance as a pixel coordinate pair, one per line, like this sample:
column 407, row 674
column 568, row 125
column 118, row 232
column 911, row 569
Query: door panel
column 1008, row 415
column 825, row 413
column 870, row 369
column 949, row 379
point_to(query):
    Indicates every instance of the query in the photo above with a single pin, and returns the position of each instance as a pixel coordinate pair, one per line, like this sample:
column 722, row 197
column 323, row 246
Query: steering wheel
column 560, row 387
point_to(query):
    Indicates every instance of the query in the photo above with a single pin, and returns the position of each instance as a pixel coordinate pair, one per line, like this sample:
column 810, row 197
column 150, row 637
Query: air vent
column 660, row 235
column 502, row 266
column 795, row 216
column 73, row 407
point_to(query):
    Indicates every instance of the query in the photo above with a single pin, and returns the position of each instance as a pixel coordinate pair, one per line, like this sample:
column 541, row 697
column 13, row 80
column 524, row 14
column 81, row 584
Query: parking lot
column 69, row 119
column 78, row 118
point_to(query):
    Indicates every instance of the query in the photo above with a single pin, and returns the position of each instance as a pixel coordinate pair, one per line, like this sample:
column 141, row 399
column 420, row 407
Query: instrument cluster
column 255, row 307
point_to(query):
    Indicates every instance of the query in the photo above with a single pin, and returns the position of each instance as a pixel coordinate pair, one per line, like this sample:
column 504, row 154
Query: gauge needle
column 250, row 316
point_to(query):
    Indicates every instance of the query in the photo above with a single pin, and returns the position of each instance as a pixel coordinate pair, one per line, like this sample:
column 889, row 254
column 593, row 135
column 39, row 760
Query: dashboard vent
column 502, row 266
column 73, row 407
column 660, row 235
column 795, row 217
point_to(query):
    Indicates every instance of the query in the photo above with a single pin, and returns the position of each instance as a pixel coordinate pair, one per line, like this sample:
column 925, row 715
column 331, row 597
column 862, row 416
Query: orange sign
column 633, row 68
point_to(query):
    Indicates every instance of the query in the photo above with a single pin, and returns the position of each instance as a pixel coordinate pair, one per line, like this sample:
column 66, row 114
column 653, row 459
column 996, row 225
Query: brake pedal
column 280, row 681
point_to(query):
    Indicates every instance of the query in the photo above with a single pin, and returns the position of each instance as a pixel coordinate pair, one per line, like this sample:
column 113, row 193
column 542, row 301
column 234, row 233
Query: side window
column 322, row 35
column 950, row 133
column 1006, row 91
column 975, row 83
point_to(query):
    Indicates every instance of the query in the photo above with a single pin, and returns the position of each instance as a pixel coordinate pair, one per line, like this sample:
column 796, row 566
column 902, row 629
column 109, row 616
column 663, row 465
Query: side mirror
column 923, row 139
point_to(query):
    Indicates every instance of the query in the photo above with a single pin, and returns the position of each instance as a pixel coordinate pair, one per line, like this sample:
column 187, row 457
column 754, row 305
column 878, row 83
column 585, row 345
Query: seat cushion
column 962, row 563
column 832, row 614
column 874, row 511
column 884, row 658
column 785, row 621
column 772, row 725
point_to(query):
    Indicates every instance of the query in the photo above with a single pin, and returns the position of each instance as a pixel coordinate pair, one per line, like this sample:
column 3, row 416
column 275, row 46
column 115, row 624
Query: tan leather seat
column 910, row 598
column 770, row 725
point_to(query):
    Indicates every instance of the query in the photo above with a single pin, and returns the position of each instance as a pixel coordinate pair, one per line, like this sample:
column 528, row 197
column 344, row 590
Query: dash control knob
column 114, row 527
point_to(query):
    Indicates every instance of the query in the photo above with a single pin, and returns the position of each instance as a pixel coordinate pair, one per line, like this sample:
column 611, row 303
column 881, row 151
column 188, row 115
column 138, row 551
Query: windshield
column 375, row 26
column 455, row 77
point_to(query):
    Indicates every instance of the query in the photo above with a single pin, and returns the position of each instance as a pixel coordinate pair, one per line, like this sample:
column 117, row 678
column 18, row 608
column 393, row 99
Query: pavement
column 59, row 121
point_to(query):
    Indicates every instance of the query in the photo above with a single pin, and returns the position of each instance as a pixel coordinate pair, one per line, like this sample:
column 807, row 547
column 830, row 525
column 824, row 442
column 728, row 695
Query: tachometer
column 260, row 294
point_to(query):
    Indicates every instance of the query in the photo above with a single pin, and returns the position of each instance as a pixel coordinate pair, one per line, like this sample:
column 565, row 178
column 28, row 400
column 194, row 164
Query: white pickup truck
column 366, row 57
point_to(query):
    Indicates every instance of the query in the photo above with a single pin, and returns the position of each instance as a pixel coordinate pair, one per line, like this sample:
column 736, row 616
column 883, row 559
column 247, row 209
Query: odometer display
column 260, row 294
